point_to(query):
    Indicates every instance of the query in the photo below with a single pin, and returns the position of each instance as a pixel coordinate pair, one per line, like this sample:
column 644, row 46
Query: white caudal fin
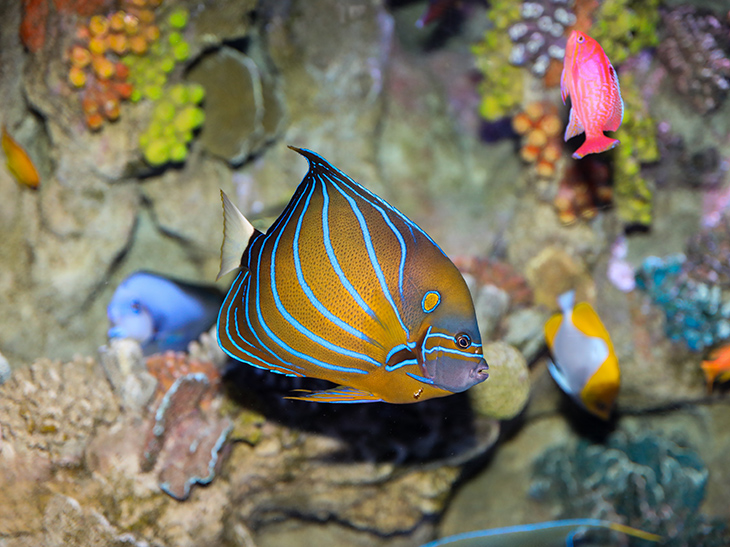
column 566, row 301
column 237, row 232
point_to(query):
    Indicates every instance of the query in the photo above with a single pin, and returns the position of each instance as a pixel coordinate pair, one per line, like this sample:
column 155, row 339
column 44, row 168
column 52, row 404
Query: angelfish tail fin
column 237, row 232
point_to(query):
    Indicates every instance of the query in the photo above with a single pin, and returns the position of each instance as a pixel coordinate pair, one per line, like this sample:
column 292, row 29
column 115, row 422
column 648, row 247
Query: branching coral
column 646, row 481
column 695, row 50
column 502, row 86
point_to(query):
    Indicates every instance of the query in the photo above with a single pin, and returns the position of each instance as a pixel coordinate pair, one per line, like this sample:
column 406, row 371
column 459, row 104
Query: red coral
column 84, row 8
column 33, row 25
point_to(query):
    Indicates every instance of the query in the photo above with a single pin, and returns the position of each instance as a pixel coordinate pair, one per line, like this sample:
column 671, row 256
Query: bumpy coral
column 539, row 37
column 148, row 72
column 633, row 192
column 695, row 51
column 697, row 312
column 502, row 86
column 646, row 481
column 174, row 119
column 540, row 127
column 53, row 408
column 625, row 27
column 96, row 69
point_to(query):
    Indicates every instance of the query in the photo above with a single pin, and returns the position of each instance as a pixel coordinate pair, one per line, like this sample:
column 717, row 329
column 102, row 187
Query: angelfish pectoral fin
column 237, row 232
column 339, row 394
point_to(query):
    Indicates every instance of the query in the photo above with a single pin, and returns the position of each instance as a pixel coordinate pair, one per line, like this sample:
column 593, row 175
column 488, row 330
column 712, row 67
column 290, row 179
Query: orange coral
column 540, row 127
column 95, row 67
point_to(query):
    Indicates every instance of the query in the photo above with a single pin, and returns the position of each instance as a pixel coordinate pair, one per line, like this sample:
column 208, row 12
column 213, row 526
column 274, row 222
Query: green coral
column 502, row 86
column 625, row 27
column 632, row 192
column 174, row 118
column 149, row 72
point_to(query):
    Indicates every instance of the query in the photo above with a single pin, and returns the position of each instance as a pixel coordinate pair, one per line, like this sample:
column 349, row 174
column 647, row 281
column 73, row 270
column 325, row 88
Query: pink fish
column 592, row 84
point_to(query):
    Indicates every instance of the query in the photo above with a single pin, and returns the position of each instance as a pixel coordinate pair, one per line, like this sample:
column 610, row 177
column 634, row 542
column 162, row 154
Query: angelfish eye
column 581, row 39
column 462, row 340
column 136, row 307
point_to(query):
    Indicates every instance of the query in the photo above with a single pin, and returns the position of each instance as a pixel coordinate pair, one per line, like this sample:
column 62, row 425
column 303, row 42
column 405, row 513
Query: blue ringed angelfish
column 346, row 288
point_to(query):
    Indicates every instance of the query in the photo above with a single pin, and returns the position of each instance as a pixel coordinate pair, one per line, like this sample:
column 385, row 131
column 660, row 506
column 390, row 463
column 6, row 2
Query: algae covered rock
column 506, row 391
column 242, row 106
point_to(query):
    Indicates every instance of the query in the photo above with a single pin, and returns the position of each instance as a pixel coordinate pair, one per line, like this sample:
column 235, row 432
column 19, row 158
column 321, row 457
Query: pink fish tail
column 595, row 144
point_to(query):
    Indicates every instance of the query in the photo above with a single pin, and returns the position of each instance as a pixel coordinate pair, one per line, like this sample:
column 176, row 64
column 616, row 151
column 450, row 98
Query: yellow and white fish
column 585, row 365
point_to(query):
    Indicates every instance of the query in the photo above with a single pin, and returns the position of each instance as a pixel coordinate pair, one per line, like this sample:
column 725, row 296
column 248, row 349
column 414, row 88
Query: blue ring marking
column 423, row 301
column 304, row 331
column 372, row 256
column 420, row 378
column 396, row 349
column 310, row 294
column 333, row 258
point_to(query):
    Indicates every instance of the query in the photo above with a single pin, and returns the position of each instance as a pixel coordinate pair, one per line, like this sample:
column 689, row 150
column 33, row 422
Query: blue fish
column 161, row 313
column 556, row 533
column 343, row 287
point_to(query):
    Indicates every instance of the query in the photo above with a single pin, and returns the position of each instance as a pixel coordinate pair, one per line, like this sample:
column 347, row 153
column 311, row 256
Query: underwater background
column 124, row 119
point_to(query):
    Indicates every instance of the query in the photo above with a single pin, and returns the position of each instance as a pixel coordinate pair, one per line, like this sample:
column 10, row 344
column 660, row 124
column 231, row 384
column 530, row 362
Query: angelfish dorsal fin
column 237, row 232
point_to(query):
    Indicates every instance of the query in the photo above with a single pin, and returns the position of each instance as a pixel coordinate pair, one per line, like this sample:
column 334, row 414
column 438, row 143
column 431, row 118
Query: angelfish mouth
column 481, row 372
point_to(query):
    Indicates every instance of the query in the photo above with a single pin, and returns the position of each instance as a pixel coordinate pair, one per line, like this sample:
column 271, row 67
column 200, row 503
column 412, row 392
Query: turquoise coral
column 174, row 119
column 646, row 481
column 696, row 312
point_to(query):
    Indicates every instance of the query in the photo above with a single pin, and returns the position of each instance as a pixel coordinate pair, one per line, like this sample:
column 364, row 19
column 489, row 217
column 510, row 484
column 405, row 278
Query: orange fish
column 592, row 84
column 718, row 367
column 18, row 162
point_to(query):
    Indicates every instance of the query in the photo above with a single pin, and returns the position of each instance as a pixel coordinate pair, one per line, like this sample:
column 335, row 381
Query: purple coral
column 695, row 51
column 540, row 35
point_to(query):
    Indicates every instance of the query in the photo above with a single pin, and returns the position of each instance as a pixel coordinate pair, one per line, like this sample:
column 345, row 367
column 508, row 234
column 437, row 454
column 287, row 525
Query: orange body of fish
column 718, row 367
column 19, row 163
column 591, row 82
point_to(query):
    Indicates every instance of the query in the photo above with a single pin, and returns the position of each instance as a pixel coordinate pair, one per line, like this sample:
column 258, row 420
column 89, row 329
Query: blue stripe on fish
column 345, row 288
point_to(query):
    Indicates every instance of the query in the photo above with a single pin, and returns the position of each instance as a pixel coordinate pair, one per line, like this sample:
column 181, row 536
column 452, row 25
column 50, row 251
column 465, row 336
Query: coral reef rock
column 507, row 390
